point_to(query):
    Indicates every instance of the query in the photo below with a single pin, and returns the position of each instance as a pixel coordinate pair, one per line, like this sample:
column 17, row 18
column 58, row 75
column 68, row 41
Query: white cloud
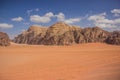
column 104, row 25
column 47, row 18
column 100, row 20
column 61, row 17
column 41, row 19
column 49, row 14
column 5, row 25
column 36, row 25
column 117, row 21
column 116, row 12
column 72, row 20
column 18, row 19
column 97, row 17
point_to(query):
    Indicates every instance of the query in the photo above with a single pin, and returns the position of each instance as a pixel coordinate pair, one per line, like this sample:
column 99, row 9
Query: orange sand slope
column 93, row 61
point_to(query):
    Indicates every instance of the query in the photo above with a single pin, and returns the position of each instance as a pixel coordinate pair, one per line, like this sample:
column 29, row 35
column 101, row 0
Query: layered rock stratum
column 4, row 39
column 64, row 34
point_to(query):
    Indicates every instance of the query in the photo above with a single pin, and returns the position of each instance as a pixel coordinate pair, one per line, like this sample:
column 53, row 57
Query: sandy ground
column 93, row 61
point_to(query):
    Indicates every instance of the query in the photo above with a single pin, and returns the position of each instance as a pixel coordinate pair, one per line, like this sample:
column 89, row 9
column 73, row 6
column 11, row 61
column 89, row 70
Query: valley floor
column 92, row 61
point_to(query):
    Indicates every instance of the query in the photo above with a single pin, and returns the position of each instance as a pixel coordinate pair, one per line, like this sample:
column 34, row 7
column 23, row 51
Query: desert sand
column 91, row 61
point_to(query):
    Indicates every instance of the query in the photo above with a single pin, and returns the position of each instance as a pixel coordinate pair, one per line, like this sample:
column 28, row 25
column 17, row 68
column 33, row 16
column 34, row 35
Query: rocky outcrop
column 4, row 39
column 94, row 34
column 27, row 37
column 64, row 34
column 54, row 32
column 57, row 34
column 114, row 38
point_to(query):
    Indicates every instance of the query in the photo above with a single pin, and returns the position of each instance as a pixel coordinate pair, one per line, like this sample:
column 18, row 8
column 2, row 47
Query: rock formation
column 114, row 38
column 4, row 39
column 94, row 34
column 27, row 37
column 64, row 34
column 59, row 34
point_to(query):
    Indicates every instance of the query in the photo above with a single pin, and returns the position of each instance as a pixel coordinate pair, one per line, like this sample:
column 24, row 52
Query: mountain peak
column 60, row 24
column 35, row 28
column 58, row 28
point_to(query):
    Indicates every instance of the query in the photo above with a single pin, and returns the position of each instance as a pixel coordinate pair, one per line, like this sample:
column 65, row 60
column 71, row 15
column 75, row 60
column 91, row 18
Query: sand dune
column 93, row 61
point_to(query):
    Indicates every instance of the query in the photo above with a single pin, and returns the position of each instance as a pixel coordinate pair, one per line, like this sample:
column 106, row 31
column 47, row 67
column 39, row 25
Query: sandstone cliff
column 4, row 39
column 114, row 38
column 27, row 37
column 64, row 34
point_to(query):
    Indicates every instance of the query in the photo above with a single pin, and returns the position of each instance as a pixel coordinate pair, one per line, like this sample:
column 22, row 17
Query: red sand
column 93, row 61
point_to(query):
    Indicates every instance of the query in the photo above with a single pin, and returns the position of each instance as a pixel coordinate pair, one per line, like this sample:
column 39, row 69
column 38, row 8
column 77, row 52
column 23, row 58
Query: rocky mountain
column 64, row 34
column 27, row 37
column 4, row 39
column 114, row 38
column 94, row 34
column 57, row 34
column 54, row 35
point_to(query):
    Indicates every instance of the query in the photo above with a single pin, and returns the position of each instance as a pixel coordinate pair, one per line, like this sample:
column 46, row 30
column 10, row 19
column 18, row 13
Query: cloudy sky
column 18, row 15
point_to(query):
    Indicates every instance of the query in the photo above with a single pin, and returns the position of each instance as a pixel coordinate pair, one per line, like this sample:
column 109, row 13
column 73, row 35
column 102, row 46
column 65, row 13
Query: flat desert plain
column 92, row 61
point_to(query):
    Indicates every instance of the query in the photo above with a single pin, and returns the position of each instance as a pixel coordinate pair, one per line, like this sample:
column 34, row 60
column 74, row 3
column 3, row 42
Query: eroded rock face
column 94, row 34
column 67, row 38
column 64, row 34
column 114, row 38
column 27, row 37
column 57, row 34
column 4, row 39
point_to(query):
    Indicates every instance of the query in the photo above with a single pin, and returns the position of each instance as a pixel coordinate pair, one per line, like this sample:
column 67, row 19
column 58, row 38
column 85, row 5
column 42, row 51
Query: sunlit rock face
column 63, row 34
column 27, row 37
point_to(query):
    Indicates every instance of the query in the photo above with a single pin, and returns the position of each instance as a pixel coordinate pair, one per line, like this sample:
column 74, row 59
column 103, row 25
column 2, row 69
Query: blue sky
column 18, row 15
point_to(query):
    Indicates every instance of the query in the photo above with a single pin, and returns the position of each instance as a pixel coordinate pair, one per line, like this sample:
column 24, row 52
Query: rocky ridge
column 64, row 34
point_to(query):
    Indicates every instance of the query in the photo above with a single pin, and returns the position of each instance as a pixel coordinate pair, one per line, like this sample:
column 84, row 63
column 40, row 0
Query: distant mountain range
column 64, row 34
